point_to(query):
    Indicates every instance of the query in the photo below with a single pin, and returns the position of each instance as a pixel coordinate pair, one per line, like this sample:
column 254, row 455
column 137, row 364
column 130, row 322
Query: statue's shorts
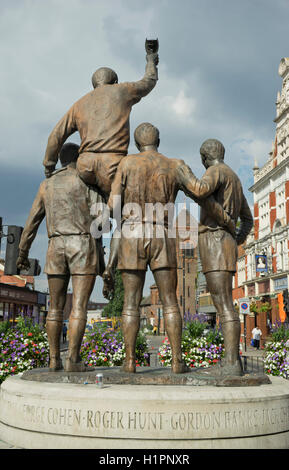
column 73, row 254
column 98, row 169
column 218, row 251
column 137, row 252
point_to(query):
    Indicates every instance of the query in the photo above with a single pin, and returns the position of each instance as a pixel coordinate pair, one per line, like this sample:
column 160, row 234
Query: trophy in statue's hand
column 152, row 47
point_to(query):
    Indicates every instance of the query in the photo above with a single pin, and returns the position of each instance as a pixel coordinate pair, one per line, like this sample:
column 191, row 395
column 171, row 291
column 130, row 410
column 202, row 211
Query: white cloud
column 183, row 106
column 256, row 149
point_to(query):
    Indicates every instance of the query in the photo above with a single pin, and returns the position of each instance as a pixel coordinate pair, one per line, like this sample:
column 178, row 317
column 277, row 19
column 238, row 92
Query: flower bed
column 25, row 346
column 196, row 352
column 276, row 361
column 102, row 347
column 22, row 348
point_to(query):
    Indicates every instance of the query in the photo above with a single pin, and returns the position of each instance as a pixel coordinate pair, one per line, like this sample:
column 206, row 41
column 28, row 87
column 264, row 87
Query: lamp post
column 186, row 254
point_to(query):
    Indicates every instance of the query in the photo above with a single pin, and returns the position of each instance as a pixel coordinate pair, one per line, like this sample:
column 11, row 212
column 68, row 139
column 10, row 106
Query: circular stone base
column 37, row 414
column 146, row 376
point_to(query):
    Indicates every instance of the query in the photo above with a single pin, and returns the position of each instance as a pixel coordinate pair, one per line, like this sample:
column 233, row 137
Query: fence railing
column 253, row 364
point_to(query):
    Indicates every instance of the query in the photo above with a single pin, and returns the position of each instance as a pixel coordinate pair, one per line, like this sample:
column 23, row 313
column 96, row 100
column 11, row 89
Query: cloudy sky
column 218, row 77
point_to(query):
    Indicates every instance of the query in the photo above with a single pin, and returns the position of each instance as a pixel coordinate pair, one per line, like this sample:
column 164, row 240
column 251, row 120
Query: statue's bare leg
column 57, row 288
column 166, row 280
column 219, row 284
column 133, row 282
column 82, row 286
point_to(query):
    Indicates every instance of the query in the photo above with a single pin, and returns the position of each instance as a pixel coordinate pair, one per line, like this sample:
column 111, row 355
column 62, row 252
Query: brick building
column 152, row 310
column 17, row 280
column 18, row 297
column 262, row 268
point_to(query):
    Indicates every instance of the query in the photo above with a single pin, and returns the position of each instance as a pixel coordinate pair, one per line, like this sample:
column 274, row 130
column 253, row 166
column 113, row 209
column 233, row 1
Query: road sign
column 244, row 306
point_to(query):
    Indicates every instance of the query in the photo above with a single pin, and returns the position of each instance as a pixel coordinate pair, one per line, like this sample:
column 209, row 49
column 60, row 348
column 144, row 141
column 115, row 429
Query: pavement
column 250, row 351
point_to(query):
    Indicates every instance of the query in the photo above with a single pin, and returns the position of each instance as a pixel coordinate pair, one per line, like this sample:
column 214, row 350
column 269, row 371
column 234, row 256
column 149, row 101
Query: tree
column 115, row 304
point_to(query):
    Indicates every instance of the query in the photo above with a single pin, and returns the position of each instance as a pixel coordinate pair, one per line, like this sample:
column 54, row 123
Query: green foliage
column 4, row 326
column 264, row 307
column 25, row 325
column 141, row 349
column 214, row 337
column 253, row 307
column 194, row 329
column 280, row 332
column 115, row 305
column 149, row 327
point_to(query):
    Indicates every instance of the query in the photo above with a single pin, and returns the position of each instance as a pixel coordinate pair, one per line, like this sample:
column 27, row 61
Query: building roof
column 15, row 280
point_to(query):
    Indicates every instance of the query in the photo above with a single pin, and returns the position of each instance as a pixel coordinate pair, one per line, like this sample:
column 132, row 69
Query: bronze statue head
column 104, row 76
column 212, row 152
column 146, row 135
column 68, row 154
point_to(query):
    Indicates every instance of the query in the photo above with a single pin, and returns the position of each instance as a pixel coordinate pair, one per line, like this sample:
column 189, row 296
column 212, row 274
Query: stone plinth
column 37, row 414
column 146, row 376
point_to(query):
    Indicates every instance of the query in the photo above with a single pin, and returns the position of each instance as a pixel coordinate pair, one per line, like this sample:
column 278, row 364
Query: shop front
column 20, row 301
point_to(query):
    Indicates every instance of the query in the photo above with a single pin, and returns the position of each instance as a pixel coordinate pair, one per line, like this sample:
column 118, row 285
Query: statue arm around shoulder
column 201, row 192
column 193, row 187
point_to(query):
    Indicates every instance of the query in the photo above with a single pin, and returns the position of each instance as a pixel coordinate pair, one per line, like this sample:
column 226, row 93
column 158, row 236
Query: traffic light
column 12, row 251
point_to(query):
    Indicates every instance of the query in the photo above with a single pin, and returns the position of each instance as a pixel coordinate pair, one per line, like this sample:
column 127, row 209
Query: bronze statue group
column 100, row 171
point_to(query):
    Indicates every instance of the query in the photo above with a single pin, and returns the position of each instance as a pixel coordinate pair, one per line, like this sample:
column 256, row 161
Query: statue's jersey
column 151, row 179
column 101, row 117
column 66, row 201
